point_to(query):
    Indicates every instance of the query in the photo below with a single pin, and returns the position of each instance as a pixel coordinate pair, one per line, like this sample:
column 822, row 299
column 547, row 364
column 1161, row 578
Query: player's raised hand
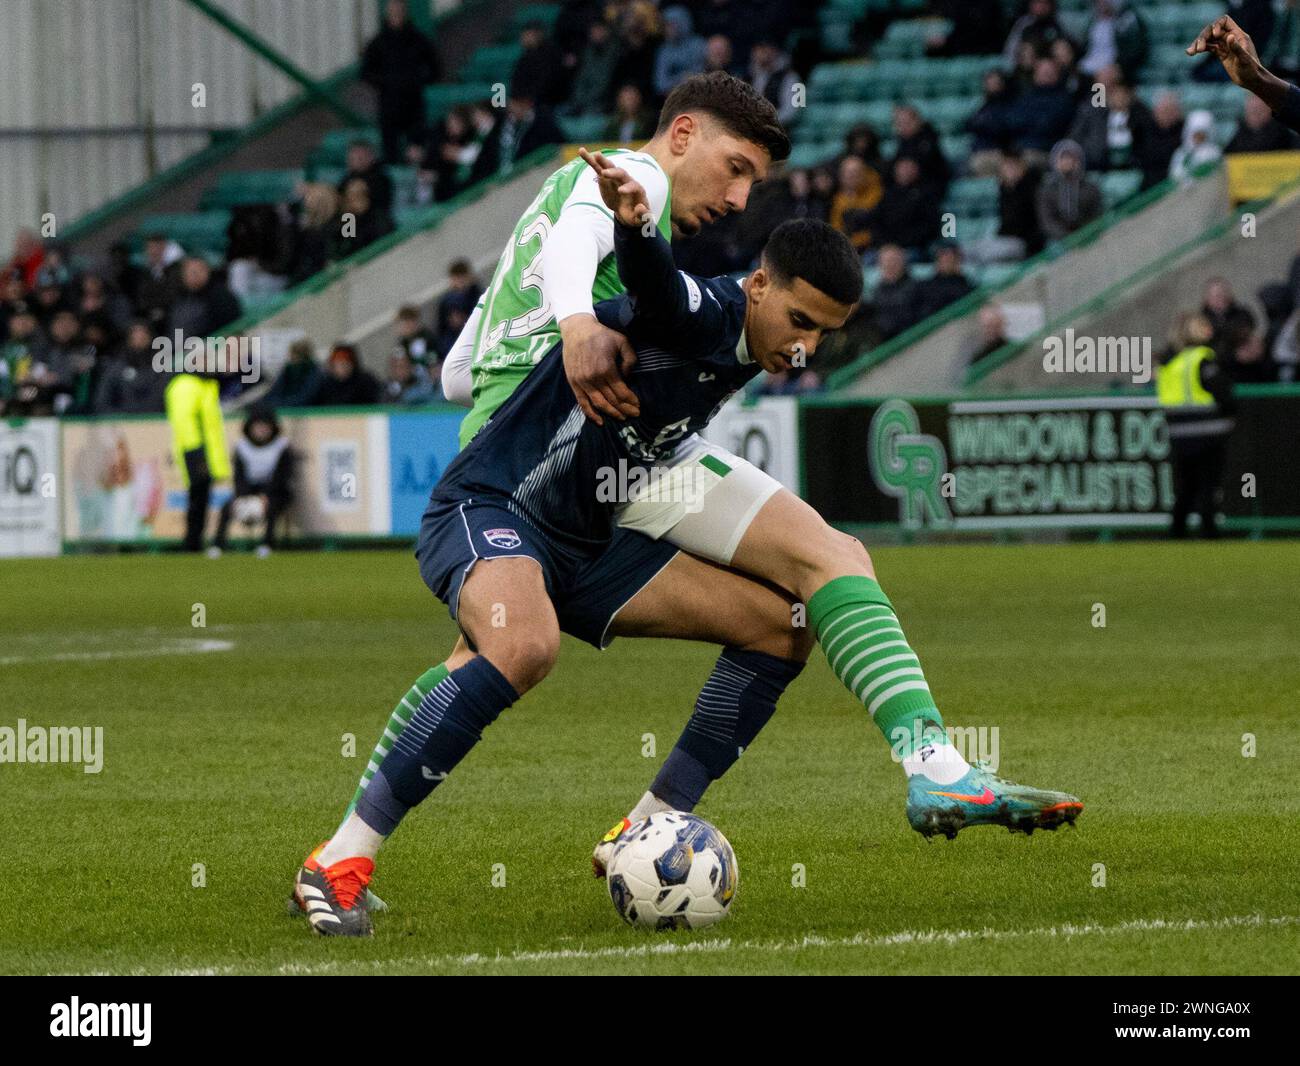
column 621, row 192
column 1231, row 46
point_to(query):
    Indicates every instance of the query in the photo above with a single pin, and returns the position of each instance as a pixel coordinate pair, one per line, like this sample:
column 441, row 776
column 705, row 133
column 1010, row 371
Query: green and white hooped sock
column 866, row 649
column 396, row 723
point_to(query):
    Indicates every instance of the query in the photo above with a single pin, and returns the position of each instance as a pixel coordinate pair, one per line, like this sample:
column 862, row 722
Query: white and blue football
column 672, row 871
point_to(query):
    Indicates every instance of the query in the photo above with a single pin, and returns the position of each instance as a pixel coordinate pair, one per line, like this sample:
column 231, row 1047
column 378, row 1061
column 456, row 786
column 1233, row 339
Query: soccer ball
column 672, row 871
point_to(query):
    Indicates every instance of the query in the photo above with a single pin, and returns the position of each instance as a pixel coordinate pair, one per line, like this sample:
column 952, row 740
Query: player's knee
column 828, row 555
column 531, row 656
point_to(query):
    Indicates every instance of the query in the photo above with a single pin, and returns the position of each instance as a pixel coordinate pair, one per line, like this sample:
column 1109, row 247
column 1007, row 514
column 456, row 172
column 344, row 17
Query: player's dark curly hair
column 735, row 104
column 819, row 254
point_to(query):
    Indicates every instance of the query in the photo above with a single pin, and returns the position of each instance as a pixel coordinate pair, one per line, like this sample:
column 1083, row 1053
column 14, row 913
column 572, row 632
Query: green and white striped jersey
column 516, row 320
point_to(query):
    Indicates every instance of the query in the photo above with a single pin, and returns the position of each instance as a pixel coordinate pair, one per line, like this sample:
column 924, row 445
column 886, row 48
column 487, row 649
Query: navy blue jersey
column 540, row 453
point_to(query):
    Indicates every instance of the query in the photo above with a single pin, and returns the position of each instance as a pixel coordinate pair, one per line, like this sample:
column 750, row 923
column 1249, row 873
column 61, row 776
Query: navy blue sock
column 735, row 703
column 449, row 721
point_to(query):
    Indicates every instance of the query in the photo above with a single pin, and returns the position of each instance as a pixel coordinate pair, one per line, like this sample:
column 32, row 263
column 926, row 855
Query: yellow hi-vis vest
column 1178, row 382
column 194, row 411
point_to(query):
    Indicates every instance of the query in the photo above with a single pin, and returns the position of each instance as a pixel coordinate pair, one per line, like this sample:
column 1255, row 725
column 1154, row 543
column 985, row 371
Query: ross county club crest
column 502, row 538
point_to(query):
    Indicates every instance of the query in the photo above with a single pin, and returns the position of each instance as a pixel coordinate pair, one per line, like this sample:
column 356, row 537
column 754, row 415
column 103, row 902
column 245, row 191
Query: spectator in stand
column 128, row 383
column 895, row 300
column 860, row 191
column 97, row 305
column 18, row 354
column 1041, row 115
column 257, row 263
column 864, row 142
column 1067, row 198
column 948, row 284
column 1117, row 36
column 1018, row 205
column 1282, row 54
column 398, row 63
column 772, row 78
column 414, row 339
column 1225, row 315
column 1197, row 147
column 299, row 379
column 29, row 254
column 314, row 234
column 456, row 304
column 681, row 54
column 523, row 128
column 908, row 213
column 13, row 297
column 1166, row 134
column 631, row 122
column 1286, row 349
column 976, row 28
column 742, row 22
column 1259, row 131
column 917, row 139
column 359, row 222
column 802, row 200
column 719, row 55
column 638, row 29
column 1113, row 136
column 1038, row 27
column 992, row 333
column 204, row 305
column 1066, row 58
column 448, row 153
column 989, row 126
column 363, row 164
column 263, row 471
column 345, row 382
column 49, row 298
column 408, row 382
column 540, row 66
column 161, row 282
column 594, row 79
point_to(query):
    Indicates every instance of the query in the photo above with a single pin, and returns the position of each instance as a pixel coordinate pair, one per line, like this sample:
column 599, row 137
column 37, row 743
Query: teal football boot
column 983, row 798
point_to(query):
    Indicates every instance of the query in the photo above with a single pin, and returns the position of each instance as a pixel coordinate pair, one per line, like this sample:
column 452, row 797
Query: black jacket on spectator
column 907, row 216
column 511, row 140
column 1157, row 151
column 377, row 181
column 1040, row 116
column 540, row 71
column 203, row 313
column 939, row 291
column 128, row 384
column 359, row 389
column 1018, row 211
column 1091, row 129
column 894, row 306
column 398, row 64
column 1271, row 137
column 924, row 147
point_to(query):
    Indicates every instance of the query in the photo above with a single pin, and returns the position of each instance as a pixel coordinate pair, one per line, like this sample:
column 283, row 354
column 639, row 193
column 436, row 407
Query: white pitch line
column 176, row 647
column 906, row 938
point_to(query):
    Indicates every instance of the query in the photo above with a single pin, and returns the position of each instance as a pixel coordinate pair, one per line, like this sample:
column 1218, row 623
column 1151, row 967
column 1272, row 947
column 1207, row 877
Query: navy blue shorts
column 587, row 590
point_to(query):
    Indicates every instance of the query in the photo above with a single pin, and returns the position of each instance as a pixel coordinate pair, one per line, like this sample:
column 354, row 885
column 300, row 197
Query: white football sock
column 649, row 804
column 938, row 760
column 353, row 838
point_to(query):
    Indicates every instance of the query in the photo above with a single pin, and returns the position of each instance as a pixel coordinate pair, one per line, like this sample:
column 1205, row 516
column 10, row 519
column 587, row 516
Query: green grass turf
column 232, row 759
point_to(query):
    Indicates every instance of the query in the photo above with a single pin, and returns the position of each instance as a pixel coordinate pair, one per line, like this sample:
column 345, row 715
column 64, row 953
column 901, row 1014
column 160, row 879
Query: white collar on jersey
column 742, row 350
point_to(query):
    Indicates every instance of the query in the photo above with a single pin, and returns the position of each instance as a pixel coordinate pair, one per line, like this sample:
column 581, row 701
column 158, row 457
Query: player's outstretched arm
column 1232, row 46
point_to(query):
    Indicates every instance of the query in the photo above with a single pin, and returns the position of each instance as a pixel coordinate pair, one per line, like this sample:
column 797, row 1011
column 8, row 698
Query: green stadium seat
column 1118, row 185
column 238, row 188
column 583, row 129
column 546, row 14
column 333, row 148
column 972, row 197
column 198, row 232
column 439, row 99
column 491, row 63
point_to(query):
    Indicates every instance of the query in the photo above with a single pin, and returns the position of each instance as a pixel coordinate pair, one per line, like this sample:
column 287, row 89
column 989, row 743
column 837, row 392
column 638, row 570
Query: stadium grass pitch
column 222, row 747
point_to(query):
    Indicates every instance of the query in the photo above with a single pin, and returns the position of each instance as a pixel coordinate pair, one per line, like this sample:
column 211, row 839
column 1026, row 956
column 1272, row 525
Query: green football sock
column 866, row 649
column 396, row 723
